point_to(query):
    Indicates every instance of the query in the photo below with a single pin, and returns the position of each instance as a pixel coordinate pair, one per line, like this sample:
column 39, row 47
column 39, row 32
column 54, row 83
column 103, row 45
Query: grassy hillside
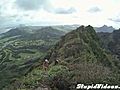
column 22, row 49
column 81, row 60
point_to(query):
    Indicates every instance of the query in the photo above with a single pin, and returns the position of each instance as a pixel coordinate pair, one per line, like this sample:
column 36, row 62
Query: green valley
column 21, row 50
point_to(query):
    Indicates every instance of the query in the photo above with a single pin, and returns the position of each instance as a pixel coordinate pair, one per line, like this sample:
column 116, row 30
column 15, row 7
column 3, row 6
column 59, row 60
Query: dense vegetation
column 81, row 51
column 82, row 59
column 22, row 49
column 111, row 42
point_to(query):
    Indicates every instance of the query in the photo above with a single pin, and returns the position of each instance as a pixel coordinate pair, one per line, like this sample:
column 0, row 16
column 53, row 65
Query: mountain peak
column 105, row 28
column 83, row 28
column 78, row 43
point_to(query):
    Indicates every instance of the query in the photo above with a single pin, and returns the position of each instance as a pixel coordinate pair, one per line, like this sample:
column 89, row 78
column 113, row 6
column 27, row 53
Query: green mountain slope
column 22, row 49
column 114, row 45
column 81, row 51
column 81, row 60
column 111, row 42
column 81, row 45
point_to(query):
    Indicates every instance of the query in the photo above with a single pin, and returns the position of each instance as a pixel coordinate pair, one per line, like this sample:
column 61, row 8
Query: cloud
column 30, row 4
column 115, row 17
column 94, row 10
column 115, row 20
column 65, row 11
column 6, row 21
column 0, row 10
column 43, row 4
column 61, row 11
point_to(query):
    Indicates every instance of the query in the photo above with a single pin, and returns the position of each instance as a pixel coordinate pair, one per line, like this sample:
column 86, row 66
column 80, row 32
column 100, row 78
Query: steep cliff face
column 114, row 45
column 111, row 42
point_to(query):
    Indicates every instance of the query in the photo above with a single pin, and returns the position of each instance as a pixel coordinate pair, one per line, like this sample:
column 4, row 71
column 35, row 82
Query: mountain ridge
column 82, row 35
column 81, row 56
column 64, row 28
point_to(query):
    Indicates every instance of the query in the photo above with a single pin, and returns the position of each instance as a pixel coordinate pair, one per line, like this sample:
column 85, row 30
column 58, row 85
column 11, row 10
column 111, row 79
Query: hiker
column 56, row 62
column 45, row 65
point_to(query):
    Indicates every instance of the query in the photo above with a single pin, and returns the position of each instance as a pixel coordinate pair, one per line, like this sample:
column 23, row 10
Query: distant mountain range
column 65, row 28
column 68, row 28
column 104, row 28
column 33, row 32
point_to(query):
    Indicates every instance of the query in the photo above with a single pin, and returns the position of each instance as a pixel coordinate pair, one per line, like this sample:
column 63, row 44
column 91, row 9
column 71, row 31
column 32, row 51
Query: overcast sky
column 52, row 12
